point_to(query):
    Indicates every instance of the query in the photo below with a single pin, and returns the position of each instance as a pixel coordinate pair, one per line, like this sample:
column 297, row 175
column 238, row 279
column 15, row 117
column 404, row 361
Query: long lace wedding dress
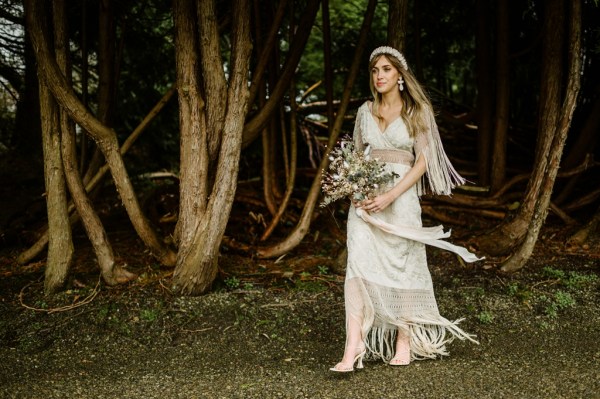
column 388, row 286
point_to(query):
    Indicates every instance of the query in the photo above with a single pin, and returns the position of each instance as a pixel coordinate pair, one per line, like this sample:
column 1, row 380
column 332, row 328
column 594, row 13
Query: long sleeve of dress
column 357, row 135
column 440, row 176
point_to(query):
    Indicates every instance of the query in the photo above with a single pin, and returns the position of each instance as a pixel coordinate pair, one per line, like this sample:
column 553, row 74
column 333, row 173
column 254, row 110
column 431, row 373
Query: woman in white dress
column 391, row 311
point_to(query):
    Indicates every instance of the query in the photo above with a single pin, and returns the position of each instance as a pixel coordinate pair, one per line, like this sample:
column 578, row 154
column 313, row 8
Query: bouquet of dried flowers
column 353, row 174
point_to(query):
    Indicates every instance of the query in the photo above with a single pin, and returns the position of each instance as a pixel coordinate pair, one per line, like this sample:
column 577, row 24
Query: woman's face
column 385, row 76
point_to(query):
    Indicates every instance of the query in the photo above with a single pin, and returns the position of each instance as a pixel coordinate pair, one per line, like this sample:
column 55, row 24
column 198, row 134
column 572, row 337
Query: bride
column 391, row 311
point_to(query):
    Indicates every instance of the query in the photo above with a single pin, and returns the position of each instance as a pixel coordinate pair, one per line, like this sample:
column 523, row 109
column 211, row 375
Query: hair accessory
column 389, row 51
column 400, row 84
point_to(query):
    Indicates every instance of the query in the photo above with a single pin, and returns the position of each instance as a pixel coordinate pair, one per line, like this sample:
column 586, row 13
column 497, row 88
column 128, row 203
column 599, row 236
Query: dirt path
column 538, row 332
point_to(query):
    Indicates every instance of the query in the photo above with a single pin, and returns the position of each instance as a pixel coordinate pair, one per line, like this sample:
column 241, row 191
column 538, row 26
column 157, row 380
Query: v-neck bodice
column 394, row 136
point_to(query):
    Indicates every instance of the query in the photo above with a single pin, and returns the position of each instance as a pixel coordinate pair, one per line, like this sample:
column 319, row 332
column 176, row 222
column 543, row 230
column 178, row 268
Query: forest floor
column 272, row 328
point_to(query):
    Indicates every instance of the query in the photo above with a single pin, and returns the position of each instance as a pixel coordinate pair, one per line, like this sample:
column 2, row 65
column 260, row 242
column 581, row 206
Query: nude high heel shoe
column 341, row 368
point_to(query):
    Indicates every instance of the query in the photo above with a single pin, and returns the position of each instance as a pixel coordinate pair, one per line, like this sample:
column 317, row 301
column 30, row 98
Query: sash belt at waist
column 394, row 156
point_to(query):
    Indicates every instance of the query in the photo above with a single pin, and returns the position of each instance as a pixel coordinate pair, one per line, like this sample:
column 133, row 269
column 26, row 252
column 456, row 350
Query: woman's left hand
column 378, row 203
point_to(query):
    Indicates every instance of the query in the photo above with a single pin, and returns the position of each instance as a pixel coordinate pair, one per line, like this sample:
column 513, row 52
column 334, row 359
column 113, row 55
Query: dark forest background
column 247, row 97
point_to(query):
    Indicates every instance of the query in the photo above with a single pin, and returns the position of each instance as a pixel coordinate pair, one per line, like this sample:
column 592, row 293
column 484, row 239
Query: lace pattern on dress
column 384, row 311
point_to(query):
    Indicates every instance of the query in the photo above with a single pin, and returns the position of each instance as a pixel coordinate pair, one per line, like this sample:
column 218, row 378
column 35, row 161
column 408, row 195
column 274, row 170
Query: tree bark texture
column 397, row 23
column 213, row 76
column 93, row 226
column 197, row 265
column 104, row 137
column 60, row 245
column 193, row 149
column 559, row 131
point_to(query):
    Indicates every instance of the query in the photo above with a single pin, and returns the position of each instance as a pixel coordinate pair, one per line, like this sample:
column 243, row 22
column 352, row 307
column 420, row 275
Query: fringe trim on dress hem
column 428, row 338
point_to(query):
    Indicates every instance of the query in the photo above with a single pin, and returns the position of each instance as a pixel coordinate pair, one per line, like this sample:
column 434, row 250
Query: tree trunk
column 290, row 166
column 264, row 50
column 106, row 76
column 327, row 67
column 212, row 65
column 42, row 241
column 253, row 128
column 105, row 138
column 27, row 138
column 197, row 263
column 60, row 245
column 303, row 225
column 397, row 17
column 559, row 131
column 192, row 124
column 509, row 234
column 498, row 173
column 484, row 92
column 93, row 226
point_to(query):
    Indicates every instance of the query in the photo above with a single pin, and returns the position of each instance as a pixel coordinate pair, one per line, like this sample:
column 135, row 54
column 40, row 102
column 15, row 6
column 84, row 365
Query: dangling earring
column 400, row 84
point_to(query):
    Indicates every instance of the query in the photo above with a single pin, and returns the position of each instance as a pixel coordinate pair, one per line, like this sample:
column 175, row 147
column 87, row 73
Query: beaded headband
column 389, row 51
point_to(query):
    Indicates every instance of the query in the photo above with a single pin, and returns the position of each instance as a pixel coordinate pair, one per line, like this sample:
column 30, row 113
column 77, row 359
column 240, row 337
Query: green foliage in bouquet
column 353, row 174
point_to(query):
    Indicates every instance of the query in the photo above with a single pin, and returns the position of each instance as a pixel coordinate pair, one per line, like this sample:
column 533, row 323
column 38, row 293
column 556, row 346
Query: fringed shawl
column 440, row 176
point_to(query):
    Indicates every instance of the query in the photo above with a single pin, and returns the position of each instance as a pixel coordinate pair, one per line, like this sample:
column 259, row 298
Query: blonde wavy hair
column 416, row 108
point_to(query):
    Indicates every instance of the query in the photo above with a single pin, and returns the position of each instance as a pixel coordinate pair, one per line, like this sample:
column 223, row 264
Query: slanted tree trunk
column 33, row 251
column 291, row 161
column 397, row 27
column 484, row 92
column 498, row 173
column 200, row 239
column 104, row 137
column 111, row 273
column 106, row 76
column 511, row 233
column 60, row 245
column 303, row 225
column 557, row 132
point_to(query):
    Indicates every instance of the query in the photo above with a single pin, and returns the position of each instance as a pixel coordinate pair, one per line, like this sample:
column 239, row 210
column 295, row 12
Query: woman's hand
column 378, row 203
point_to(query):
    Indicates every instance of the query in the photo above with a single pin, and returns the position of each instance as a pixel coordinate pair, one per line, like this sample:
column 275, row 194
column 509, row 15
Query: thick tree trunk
column 192, row 124
column 397, row 27
column 303, row 225
column 197, row 263
column 559, row 131
column 60, row 246
column 105, row 138
column 498, row 173
column 484, row 92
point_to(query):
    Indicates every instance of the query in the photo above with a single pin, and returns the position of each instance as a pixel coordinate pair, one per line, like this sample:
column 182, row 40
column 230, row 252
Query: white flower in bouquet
column 353, row 174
